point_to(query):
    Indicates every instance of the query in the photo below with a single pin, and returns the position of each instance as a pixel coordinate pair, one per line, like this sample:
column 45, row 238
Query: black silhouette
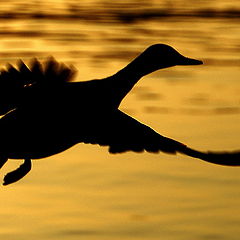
column 45, row 113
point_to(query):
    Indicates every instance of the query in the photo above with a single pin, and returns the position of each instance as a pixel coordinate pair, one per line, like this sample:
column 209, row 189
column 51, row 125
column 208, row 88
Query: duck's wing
column 124, row 133
column 17, row 83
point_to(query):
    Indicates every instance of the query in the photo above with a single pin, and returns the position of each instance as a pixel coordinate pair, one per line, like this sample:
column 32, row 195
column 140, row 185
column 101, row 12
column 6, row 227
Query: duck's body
column 40, row 130
column 48, row 118
column 46, row 127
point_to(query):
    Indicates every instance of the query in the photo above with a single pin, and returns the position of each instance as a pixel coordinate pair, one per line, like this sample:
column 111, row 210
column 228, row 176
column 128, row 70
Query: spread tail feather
column 14, row 82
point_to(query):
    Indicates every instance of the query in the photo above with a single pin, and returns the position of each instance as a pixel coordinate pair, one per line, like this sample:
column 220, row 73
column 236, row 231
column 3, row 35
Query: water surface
column 85, row 193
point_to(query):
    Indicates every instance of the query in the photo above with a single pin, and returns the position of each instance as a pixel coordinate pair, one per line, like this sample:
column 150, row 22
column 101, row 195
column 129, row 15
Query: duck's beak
column 189, row 61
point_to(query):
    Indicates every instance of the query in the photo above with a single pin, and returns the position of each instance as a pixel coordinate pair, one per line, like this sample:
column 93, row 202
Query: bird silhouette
column 45, row 112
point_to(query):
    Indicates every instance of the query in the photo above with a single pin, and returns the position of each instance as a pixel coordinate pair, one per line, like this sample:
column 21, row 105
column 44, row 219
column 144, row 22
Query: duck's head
column 160, row 56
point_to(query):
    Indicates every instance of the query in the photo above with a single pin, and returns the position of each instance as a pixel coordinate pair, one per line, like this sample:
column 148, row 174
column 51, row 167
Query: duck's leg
column 19, row 173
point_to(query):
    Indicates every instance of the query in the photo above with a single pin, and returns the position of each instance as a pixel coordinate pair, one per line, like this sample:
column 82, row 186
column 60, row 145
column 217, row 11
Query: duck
column 44, row 112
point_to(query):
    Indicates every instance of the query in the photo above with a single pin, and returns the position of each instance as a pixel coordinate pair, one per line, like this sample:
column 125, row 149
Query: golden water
column 85, row 193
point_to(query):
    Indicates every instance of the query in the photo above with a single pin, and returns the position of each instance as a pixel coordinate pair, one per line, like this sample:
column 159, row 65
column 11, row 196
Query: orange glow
column 87, row 193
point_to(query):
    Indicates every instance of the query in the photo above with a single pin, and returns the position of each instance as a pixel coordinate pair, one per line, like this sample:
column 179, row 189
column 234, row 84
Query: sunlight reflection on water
column 95, row 195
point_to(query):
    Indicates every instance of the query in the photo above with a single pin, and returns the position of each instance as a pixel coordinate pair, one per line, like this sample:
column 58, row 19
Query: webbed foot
column 19, row 173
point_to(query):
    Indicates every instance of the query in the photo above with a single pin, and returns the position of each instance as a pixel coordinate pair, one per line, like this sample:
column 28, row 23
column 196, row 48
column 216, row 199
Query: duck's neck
column 123, row 81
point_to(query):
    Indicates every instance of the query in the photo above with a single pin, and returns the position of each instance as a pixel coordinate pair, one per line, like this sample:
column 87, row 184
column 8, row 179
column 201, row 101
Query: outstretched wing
column 123, row 133
column 15, row 83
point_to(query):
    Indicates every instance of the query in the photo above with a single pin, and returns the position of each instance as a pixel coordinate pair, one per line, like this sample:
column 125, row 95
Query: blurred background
column 85, row 193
